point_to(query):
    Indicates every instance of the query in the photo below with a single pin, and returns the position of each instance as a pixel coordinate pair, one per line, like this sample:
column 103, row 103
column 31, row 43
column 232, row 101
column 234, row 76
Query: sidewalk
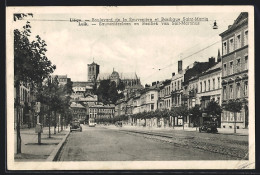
column 32, row 151
column 241, row 132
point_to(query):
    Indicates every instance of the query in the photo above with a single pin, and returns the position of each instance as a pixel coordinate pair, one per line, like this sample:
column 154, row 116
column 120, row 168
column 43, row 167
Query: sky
column 150, row 51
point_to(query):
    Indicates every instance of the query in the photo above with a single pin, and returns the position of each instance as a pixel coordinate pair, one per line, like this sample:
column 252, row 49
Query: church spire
column 219, row 57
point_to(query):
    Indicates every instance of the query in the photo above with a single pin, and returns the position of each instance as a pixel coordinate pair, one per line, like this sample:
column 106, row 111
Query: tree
column 112, row 93
column 107, row 92
column 180, row 111
column 30, row 66
column 195, row 113
column 46, row 94
column 214, row 109
column 233, row 106
column 121, row 86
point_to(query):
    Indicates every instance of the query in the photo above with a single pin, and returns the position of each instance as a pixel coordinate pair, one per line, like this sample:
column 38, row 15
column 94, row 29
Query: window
column 178, row 84
column 224, row 48
column 152, row 96
column 238, row 41
column 227, row 114
column 246, row 89
column 204, row 86
column 238, row 90
column 231, row 91
column 225, row 70
column 218, row 82
column 246, row 37
column 200, row 86
column 231, row 67
column 231, row 116
column 209, row 85
column 152, row 106
column 213, row 85
column 175, row 85
column 238, row 65
column 231, row 44
column 224, row 92
column 224, row 116
column 238, row 116
column 246, row 62
column 181, row 83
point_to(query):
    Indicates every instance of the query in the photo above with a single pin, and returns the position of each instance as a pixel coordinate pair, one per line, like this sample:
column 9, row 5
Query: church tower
column 93, row 71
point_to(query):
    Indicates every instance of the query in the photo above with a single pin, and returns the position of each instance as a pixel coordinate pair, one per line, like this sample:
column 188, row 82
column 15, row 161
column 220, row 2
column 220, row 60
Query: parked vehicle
column 91, row 122
column 75, row 126
column 119, row 124
column 209, row 127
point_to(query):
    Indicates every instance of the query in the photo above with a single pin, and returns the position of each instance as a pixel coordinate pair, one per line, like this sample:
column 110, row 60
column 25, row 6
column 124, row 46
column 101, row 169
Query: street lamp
column 215, row 26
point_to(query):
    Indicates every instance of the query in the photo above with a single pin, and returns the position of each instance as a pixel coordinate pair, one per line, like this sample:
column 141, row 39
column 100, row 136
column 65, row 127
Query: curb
column 54, row 154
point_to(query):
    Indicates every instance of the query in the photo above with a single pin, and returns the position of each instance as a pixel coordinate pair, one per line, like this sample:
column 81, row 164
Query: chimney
column 153, row 83
column 179, row 66
column 173, row 74
column 211, row 61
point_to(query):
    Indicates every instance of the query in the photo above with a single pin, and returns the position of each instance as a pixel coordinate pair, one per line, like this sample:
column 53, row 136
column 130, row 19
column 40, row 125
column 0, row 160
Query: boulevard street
column 110, row 143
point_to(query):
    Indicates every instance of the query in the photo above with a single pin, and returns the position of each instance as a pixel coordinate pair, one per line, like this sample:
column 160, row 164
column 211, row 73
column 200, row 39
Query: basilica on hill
column 130, row 80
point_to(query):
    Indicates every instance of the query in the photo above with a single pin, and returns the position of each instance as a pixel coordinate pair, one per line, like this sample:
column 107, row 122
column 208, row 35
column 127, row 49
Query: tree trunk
column 183, row 122
column 61, row 124
column 49, row 123
column 18, row 134
column 55, row 122
column 235, row 123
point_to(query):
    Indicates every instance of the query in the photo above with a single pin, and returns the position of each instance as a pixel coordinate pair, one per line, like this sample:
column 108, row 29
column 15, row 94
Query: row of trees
column 57, row 100
column 213, row 109
column 33, row 68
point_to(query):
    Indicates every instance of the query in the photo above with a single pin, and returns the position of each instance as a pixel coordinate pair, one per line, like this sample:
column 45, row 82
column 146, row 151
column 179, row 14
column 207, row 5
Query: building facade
column 100, row 111
column 79, row 111
column 235, row 71
column 209, row 86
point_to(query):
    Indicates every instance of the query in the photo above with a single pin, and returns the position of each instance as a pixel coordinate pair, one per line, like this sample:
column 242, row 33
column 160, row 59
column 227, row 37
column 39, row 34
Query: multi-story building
column 235, row 71
column 177, row 92
column 137, row 103
column 62, row 79
column 165, row 95
column 177, row 80
column 120, row 107
column 209, row 85
column 79, row 111
column 82, row 87
column 100, row 111
column 24, row 104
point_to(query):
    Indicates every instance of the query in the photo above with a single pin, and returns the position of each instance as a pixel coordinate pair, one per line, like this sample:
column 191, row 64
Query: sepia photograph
column 130, row 87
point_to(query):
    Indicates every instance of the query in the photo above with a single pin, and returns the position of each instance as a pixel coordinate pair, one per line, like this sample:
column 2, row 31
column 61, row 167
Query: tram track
column 233, row 150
